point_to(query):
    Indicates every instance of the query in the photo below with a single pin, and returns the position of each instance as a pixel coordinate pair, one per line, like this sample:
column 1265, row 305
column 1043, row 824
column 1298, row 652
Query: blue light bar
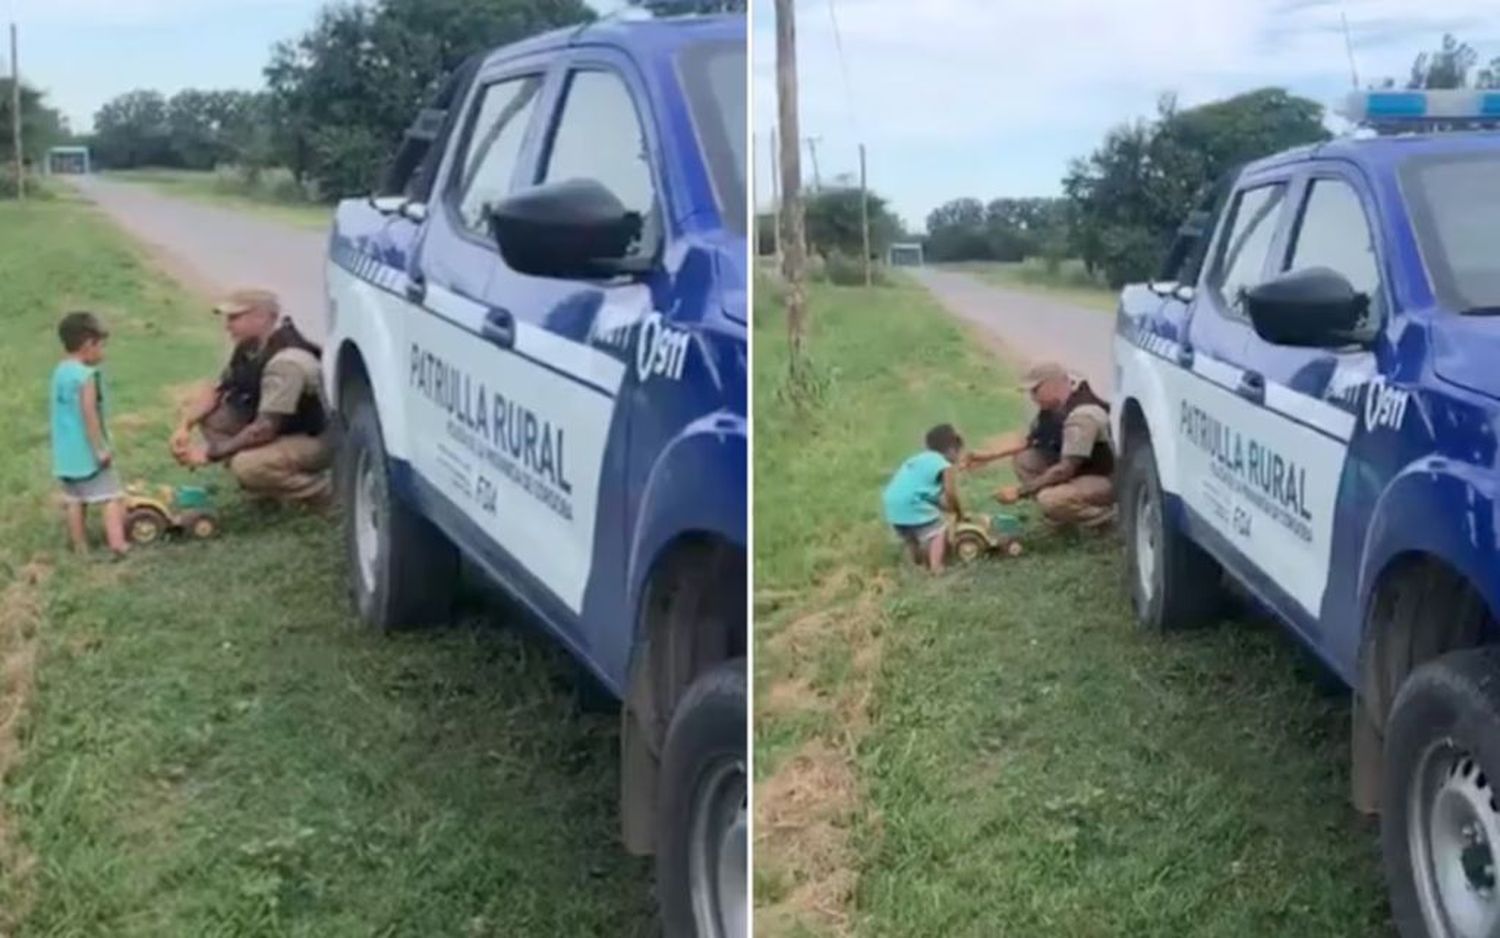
column 1412, row 109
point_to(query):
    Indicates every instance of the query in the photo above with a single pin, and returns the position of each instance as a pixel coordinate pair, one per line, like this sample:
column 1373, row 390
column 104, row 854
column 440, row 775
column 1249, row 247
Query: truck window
column 599, row 137
column 714, row 80
column 1241, row 256
column 493, row 148
column 1333, row 232
column 1455, row 203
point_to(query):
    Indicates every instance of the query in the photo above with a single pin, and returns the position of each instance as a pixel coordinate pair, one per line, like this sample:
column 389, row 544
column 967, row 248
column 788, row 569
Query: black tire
column 145, row 526
column 411, row 576
column 970, row 547
column 1442, row 746
column 705, row 746
column 1183, row 586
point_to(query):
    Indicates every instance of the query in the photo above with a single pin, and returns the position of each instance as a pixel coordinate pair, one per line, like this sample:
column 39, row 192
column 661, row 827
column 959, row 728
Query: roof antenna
column 1349, row 48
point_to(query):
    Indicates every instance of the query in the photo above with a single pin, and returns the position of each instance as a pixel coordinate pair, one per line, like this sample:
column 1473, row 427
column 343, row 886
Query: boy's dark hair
column 942, row 438
column 78, row 328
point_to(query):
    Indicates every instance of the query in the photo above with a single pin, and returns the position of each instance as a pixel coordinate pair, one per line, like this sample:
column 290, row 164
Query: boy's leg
column 937, row 550
column 77, row 533
column 114, row 525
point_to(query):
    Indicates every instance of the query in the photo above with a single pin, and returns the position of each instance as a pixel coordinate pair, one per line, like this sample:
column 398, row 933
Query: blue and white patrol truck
column 1309, row 402
column 537, row 344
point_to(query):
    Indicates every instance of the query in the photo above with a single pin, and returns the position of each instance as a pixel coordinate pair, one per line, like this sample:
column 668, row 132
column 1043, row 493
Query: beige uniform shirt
column 290, row 374
column 1085, row 427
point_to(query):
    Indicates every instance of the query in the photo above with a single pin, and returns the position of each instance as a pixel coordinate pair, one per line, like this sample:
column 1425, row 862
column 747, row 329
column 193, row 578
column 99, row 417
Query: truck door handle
column 1252, row 387
column 416, row 288
column 1185, row 355
column 500, row 328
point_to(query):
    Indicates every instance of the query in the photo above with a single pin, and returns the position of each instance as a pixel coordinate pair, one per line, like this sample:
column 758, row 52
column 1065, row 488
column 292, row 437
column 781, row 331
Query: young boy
column 918, row 492
column 81, row 457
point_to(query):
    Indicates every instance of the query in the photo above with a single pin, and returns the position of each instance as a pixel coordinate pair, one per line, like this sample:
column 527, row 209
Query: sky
column 84, row 52
column 990, row 98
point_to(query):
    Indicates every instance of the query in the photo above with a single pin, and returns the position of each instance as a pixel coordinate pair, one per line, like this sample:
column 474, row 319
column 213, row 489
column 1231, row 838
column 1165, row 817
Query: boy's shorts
column 919, row 535
column 102, row 486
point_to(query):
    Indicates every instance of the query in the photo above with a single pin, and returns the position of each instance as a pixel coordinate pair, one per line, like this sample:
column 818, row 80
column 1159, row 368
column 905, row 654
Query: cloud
column 947, row 76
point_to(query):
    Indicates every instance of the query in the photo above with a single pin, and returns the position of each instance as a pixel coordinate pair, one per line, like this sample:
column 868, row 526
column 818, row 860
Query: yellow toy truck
column 979, row 535
column 153, row 512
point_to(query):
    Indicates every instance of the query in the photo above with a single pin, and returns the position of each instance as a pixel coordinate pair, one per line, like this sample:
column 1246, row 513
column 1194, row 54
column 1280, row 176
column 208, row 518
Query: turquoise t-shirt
column 913, row 494
column 72, row 453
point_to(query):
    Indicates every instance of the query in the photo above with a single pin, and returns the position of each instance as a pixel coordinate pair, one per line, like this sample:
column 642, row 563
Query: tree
column 1446, row 67
column 956, row 232
column 41, row 126
column 343, row 93
column 134, row 130
column 213, row 127
column 1126, row 199
column 834, row 227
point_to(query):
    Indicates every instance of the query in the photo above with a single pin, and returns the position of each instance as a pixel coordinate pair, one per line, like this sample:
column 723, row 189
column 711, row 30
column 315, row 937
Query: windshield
column 1455, row 205
column 713, row 76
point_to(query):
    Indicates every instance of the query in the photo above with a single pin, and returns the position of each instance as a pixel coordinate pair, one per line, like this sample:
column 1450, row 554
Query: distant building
column 906, row 254
column 63, row 161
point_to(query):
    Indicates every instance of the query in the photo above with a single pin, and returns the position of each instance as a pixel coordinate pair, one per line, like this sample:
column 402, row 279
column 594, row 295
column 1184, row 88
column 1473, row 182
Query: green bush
column 268, row 184
column 844, row 270
column 36, row 186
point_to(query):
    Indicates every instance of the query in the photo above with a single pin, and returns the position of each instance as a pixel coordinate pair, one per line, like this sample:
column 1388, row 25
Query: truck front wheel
column 402, row 570
column 1440, row 819
column 1173, row 583
column 703, row 833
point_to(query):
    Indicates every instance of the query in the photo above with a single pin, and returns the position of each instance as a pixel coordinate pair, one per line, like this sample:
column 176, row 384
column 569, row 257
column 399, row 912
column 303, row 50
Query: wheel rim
column 367, row 519
column 1452, row 829
column 718, row 852
column 144, row 530
column 203, row 528
column 968, row 550
column 1147, row 522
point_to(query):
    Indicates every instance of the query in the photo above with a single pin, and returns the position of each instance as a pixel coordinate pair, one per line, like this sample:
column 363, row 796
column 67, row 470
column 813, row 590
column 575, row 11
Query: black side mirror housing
column 1311, row 308
column 575, row 229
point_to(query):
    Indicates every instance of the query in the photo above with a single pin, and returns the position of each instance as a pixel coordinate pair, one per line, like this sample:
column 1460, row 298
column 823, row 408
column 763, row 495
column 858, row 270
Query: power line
column 838, row 42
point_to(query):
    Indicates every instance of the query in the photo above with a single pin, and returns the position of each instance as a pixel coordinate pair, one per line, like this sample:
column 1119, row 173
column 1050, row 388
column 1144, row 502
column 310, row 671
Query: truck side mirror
column 1313, row 308
column 575, row 229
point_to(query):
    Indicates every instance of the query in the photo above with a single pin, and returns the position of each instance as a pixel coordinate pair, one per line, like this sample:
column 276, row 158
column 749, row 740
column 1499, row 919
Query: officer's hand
column 194, row 456
column 1008, row 494
column 104, row 458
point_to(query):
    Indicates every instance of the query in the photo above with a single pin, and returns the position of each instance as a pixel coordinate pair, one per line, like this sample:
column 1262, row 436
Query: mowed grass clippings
column 1028, row 762
column 211, row 745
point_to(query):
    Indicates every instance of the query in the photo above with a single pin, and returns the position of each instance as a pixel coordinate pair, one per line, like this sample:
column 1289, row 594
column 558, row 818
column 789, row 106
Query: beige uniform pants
column 290, row 468
column 1084, row 500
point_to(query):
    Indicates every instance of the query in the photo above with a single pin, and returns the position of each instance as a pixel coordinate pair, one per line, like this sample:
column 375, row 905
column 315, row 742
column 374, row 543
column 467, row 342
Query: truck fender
column 1140, row 380
column 685, row 493
column 365, row 314
column 1441, row 508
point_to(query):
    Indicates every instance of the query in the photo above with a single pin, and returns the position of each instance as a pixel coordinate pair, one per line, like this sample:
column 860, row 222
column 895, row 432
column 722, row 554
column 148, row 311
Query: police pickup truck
column 1309, row 402
column 537, row 346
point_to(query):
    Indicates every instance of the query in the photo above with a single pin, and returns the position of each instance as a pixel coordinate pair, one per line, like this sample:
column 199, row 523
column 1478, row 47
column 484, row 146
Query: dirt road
column 1031, row 327
column 212, row 249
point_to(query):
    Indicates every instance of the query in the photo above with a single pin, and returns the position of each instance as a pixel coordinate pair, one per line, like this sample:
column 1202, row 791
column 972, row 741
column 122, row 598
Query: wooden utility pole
column 793, row 245
column 15, row 115
column 864, row 216
column 775, row 206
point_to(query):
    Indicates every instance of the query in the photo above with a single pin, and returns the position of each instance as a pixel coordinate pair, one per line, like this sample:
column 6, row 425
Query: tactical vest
column 241, row 384
column 1047, row 433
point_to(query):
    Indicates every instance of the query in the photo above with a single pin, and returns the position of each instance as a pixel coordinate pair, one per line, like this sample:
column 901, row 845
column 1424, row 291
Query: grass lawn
column 1001, row 751
column 202, row 187
column 1070, row 283
column 202, row 741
